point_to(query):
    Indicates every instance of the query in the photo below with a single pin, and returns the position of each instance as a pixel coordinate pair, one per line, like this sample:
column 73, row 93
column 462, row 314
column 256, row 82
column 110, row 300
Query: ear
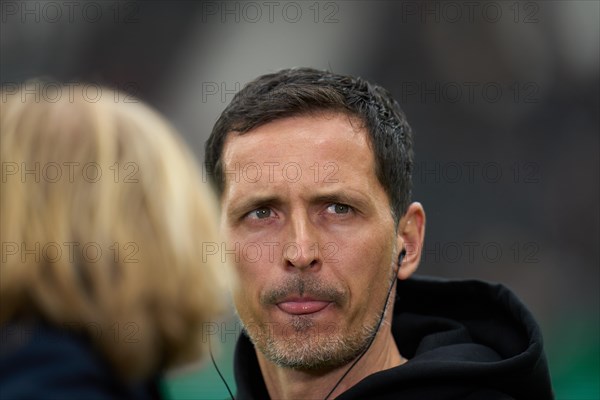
column 411, row 233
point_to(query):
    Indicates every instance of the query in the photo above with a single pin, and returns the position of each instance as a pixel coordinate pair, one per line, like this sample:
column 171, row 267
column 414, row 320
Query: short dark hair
column 300, row 91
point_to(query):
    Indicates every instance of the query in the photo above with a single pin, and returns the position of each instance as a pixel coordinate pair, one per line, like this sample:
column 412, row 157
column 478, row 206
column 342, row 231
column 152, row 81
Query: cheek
column 365, row 263
column 367, row 251
column 246, row 295
column 256, row 265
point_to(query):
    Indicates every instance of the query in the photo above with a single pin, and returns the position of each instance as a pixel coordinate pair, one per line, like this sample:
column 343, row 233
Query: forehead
column 320, row 138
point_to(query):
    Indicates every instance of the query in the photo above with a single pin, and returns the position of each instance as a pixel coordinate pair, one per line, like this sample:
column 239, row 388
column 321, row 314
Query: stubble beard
column 313, row 347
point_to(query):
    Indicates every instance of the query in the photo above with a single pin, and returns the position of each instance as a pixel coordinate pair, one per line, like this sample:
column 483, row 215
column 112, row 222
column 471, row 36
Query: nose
column 302, row 249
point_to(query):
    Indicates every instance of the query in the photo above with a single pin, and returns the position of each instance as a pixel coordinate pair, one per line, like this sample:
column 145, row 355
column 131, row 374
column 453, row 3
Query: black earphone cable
column 217, row 368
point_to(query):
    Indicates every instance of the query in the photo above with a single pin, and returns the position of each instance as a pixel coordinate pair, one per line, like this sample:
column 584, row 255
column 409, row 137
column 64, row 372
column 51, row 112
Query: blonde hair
column 104, row 225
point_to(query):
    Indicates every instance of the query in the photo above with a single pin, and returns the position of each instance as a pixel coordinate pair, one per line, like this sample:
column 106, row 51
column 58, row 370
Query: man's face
column 314, row 238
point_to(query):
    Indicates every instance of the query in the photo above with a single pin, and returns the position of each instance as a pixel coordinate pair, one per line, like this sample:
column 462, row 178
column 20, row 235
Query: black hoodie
column 463, row 340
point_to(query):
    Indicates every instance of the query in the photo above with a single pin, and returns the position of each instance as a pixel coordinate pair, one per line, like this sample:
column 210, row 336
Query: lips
column 302, row 306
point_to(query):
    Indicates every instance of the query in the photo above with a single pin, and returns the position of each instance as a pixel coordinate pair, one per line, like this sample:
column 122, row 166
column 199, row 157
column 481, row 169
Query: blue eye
column 260, row 213
column 337, row 208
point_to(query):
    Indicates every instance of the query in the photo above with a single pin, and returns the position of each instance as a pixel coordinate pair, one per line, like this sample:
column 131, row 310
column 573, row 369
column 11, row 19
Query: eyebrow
column 256, row 201
column 343, row 198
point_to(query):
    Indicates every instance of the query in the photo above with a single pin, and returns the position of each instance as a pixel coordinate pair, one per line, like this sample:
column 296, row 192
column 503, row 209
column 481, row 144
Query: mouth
column 302, row 305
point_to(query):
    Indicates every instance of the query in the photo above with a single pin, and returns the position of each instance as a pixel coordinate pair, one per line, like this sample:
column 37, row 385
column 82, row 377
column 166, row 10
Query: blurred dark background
column 503, row 97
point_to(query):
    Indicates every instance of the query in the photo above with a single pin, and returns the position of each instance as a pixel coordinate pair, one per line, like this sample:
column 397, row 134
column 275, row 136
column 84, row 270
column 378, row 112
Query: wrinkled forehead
column 299, row 148
column 308, row 130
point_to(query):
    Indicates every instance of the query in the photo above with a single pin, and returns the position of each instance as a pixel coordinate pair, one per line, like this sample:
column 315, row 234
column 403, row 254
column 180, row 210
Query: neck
column 286, row 383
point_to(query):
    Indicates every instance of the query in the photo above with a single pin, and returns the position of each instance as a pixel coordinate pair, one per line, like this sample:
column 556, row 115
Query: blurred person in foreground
column 313, row 170
column 103, row 285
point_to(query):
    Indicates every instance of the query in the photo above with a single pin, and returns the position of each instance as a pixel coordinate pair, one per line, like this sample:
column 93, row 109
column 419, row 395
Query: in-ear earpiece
column 401, row 257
